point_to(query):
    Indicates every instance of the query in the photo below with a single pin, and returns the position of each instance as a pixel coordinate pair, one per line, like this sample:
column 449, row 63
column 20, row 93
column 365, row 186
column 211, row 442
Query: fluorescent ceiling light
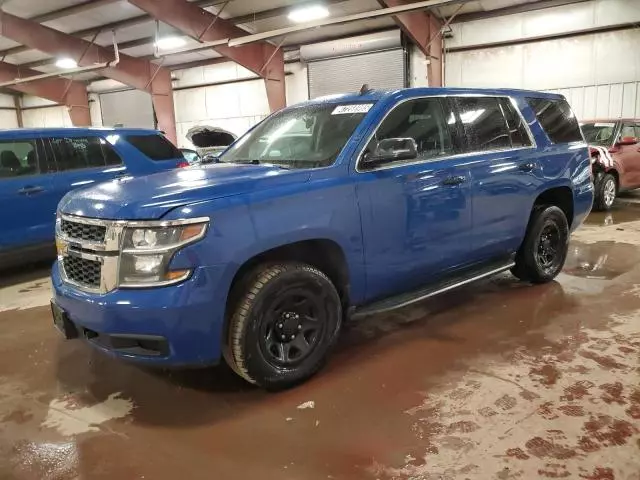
column 307, row 14
column 66, row 63
column 169, row 43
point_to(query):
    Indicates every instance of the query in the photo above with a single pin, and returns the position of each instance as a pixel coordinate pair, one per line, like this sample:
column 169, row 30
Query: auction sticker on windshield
column 355, row 108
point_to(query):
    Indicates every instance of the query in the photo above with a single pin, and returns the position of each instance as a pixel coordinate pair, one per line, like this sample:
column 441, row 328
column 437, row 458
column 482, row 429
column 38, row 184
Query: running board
column 405, row 299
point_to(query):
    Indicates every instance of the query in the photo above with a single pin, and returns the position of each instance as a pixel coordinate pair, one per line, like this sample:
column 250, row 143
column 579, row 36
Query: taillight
column 182, row 164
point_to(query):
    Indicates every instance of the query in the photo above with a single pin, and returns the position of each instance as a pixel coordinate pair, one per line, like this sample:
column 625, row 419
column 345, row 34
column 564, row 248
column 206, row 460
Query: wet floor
column 499, row 380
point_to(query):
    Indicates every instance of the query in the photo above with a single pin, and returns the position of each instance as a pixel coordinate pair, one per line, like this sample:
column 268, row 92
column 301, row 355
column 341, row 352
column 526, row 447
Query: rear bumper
column 179, row 325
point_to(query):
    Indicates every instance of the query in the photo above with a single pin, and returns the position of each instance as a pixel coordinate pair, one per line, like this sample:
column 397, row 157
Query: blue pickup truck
column 38, row 166
column 331, row 209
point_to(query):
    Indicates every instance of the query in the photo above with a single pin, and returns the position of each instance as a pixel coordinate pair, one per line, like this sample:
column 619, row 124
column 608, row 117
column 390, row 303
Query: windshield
column 599, row 133
column 304, row 137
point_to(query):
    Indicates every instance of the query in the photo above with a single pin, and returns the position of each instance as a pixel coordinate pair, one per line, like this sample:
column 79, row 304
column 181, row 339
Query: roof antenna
column 364, row 89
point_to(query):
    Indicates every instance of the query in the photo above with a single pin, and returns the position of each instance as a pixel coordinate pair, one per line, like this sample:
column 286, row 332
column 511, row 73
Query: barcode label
column 355, row 108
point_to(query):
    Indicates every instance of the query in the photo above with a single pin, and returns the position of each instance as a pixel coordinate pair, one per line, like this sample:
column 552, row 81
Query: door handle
column 30, row 190
column 455, row 180
column 527, row 166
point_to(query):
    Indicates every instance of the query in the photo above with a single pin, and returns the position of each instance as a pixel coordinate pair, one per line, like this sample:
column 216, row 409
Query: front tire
column 284, row 325
column 544, row 250
column 606, row 190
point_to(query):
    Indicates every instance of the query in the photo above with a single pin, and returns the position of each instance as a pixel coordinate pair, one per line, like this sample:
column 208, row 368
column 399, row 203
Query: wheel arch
column 322, row 253
column 561, row 197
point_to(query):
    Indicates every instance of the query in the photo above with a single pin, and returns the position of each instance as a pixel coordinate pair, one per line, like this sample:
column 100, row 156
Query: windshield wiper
column 260, row 162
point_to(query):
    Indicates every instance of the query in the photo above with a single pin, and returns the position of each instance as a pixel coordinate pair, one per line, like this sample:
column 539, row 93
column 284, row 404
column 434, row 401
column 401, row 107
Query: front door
column 416, row 214
column 629, row 155
column 27, row 203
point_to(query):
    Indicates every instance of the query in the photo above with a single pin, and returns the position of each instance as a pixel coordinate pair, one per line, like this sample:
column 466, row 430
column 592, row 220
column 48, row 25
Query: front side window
column 73, row 153
column 484, row 124
column 422, row 120
column 557, row 119
column 305, row 137
column 18, row 158
column 599, row 133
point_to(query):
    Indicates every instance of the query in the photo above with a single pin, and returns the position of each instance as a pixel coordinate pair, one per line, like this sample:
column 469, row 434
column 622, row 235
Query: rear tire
column 606, row 190
column 285, row 322
column 544, row 250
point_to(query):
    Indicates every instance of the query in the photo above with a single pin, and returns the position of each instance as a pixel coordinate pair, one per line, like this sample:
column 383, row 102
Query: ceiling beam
column 262, row 58
column 137, row 73
column 88, row 32
column 70, row 10
column 513, row 9
column 60, row 90
column 238, row 20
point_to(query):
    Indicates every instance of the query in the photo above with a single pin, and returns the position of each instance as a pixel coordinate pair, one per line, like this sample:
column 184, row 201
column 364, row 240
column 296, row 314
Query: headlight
column 148, row 250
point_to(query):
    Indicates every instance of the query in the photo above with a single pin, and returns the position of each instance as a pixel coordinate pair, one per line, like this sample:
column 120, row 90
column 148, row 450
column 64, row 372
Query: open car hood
column 204, row 136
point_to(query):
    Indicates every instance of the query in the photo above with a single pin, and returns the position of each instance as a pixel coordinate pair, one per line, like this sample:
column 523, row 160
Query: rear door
column 502, row 167
column 82, row 161
column 629, row 155
column 27, row 198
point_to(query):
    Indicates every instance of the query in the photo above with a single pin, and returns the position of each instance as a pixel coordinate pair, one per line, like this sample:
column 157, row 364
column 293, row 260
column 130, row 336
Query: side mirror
column 627, row 141
column 391, row 150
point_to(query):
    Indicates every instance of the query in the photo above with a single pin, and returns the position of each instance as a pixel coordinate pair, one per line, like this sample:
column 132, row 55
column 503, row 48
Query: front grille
column 83, row 231
column 82, row 271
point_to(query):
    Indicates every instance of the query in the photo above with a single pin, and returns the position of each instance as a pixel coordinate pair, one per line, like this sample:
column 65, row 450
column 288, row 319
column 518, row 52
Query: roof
column 376, row 95
column 23, row 132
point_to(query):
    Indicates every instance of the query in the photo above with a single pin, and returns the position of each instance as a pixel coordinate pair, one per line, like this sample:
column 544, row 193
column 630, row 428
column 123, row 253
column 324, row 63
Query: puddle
column 619, row 214
column 600, row 260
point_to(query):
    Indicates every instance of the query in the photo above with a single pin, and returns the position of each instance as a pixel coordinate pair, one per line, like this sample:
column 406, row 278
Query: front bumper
column 178, row 325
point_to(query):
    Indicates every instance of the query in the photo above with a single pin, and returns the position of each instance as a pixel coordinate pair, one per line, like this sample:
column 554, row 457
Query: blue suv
column 331, row 209
column 39, row 166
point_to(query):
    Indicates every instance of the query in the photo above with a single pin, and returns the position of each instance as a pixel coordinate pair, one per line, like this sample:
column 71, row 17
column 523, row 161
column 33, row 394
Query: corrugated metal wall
column 599, row 73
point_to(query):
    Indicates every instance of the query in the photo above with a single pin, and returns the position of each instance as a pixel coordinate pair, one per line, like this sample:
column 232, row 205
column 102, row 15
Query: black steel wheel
column 544, row 249
column 284, row 324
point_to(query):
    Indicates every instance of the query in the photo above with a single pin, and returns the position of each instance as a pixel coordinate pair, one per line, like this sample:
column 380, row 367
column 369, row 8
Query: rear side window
column 18, row 158
column 484, row 124
column 517, row 130
column 557, row 119
column 156, row 147
column 73, row 153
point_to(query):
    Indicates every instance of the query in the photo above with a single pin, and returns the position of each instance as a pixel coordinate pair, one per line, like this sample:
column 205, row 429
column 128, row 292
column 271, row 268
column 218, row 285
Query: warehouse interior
column 498, row 380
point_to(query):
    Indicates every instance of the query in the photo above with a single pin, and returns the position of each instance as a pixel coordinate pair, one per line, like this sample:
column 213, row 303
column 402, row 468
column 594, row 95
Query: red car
column 615, row 157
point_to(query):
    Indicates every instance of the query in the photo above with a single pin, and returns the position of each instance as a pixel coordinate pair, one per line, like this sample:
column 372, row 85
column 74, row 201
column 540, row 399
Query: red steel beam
column 424, row 30
column 60, row 90
column 135, row 72
column 262, row 58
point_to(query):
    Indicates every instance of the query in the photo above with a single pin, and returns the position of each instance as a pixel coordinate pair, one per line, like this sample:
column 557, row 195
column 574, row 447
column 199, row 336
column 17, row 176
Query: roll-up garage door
column 129, row 108
column 384, row 70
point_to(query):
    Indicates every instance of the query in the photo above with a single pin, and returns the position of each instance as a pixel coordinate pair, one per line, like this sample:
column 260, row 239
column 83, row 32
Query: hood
column 210, row 139
column 150, row 197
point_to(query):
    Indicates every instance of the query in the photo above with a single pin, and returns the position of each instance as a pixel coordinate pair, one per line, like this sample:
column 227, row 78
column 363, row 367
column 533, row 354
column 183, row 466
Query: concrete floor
column 500, row 380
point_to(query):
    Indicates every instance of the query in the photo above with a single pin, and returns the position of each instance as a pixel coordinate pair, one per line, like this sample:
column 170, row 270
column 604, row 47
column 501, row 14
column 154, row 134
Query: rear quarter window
column 557, row 119
column 156, row 147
